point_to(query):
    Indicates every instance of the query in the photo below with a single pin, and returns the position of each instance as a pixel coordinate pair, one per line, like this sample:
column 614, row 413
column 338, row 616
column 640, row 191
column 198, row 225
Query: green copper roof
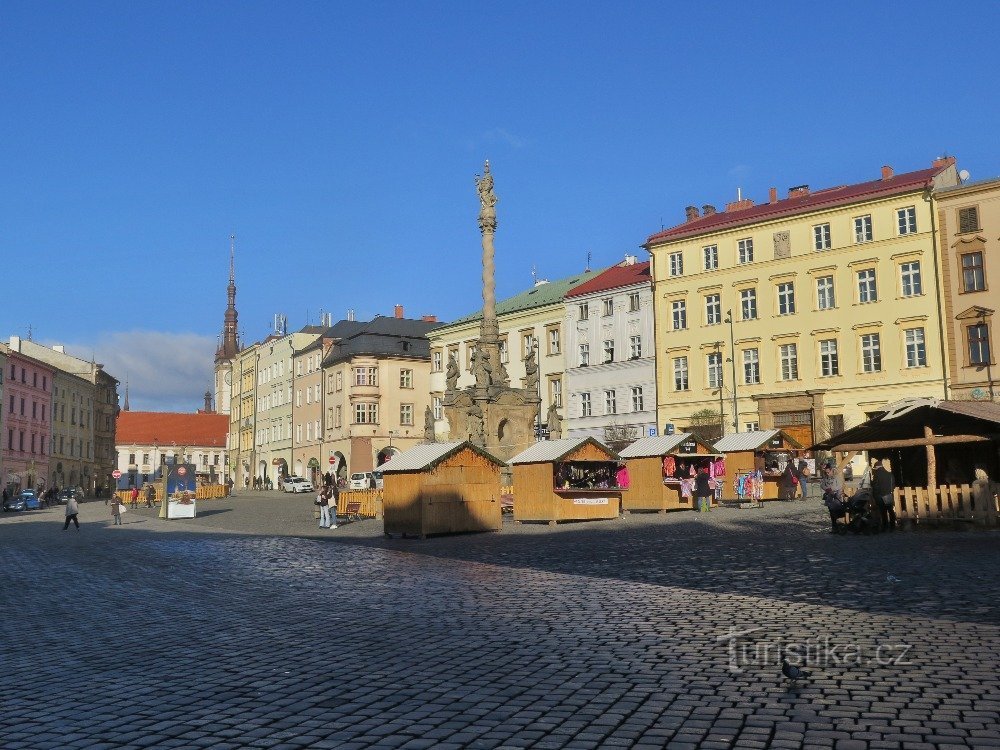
column 541, row 295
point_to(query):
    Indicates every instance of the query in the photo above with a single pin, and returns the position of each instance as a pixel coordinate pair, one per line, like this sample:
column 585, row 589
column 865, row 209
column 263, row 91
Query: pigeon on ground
column 792, row 672
column 892, row 579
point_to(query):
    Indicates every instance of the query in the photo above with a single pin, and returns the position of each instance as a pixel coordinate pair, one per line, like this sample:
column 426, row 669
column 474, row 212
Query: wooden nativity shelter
column 661, row 471
column 441, row 488
column 573, row 479
column 944, row 456
column 755, row 461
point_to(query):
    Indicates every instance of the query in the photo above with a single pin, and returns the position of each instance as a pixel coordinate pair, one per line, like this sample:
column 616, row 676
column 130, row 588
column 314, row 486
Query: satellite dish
column 964, row 175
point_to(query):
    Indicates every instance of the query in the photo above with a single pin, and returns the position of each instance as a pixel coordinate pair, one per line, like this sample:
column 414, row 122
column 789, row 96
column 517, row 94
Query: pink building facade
column 27, row 422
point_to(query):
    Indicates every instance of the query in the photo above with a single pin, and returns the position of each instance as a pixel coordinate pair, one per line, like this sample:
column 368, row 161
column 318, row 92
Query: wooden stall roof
column 752, row 441
column 556, row 450
column 428, row 455
column 662, row 445
column 903, row 424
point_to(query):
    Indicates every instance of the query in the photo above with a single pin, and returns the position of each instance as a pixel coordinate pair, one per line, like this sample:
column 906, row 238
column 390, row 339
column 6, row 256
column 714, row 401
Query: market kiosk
column 661, row 471
column 441, row 488
column 754, row 463
column 573, row 479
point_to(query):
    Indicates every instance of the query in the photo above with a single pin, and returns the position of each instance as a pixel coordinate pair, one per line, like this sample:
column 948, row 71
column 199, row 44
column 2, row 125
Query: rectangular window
column 751, row 366
column 744, row 250
column 504, row 352
column 751, row 426
column 863, row 229
column 906, row 220
column 366, row 413
column 360, row 376
column 711, row 255
column 584, row 311
column 438, row 360
column 680, row 373
column 713, row 309
column 825, row 299
column 973, row 275
column 637, row 398
column 968, row 219
column 829, row 362
column 584, row 355
column 607, row 307
column 979, row 344
column 553, row 341
column 633, row 302
column 786, row 298
column 916, row 351
column 406, row 414
column 676, row 264
column 609, row 350
column 338, row 417
column 438, row 407
column 789, row 361
column 821, row 237
column 406, row 378
column 678, row 314
column 871, row 353
column 715, row 370
column 635, row 347
column 555, row 392
column 867, row 292
column 748, row 304
column 910, row 275
column 585, row 407
column 527, row 344
column 610, row 406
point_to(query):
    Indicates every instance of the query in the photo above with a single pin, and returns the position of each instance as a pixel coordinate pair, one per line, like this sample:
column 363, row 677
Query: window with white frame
column 751, row 366
column 438, row 360
column 607, row 307
column 585, row 407
column 633, row 302
column 338, row 417
column 678, row 314
column 863, row 228
column 553, row 341
column 340, row 380
column 405, row 378
column 584, row 355
column 867, row 291
column 555, row 392
column 610, row 406
column 680, row 373
column 821, row 236
column 365, row 413
column 973, row 272
column 504, row 351
column 979, row 344
column 748, row 304
column 906, row 220
column 637, row 403
column 751, row 426
column 744, row 250
column 406, row 414
column 829, row 362
column 609, row 350
column 676, row 261
column 789, row 356
column 825, row 299
column 437, row 408
column 916, row 351
column 583, row 310
column 713, row 309
column 910, row 277
column 715, row 370
column 786, row 298
column 635, row 347
column 871, row 353
column 711, row 257
column 527, row 343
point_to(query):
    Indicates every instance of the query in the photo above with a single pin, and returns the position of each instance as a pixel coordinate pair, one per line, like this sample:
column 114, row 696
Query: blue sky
column 339, row 142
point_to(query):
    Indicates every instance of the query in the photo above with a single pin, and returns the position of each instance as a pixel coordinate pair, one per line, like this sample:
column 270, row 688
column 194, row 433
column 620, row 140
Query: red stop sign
column 116, row 474
column 333, row 460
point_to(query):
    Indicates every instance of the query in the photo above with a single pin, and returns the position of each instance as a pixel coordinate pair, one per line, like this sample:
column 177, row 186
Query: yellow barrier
column 205, row 492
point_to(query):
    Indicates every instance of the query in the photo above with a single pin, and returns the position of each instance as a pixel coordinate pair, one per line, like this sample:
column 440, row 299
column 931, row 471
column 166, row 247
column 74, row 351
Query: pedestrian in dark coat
column 703, row 491
column 883, row 486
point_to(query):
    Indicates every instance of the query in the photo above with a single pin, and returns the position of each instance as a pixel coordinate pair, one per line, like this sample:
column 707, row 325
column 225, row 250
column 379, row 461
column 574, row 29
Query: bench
column 353, row 511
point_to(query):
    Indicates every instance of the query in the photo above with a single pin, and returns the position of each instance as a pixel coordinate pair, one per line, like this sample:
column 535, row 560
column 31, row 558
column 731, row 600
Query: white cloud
column 165, row 371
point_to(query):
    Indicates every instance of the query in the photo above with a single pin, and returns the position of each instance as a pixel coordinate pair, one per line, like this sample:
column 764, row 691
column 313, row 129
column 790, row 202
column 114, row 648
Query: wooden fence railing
column 205, row 492
column 947, row 503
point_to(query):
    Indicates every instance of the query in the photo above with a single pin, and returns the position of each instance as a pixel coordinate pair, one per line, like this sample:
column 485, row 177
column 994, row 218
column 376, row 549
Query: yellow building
column 242, row 416
column 968, row 219
column 806, row 313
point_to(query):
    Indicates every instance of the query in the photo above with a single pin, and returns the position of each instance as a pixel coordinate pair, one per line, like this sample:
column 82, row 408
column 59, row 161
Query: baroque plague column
column 490, row 413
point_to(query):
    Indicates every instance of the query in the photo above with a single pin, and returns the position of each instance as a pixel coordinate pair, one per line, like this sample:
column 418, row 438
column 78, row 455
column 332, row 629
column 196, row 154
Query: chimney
column 59, row 348
column 772, row 196
column 399, row 311
column 886, row 172
column 943, row 161
column 429, row 318
column 708, row 209
column 691, row 212
column 740, row 205
column 799, row 191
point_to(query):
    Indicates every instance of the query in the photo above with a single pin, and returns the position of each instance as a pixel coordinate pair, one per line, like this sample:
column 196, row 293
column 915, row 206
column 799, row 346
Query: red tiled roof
column 826, row 198
column 613, row 278
column 164, row 428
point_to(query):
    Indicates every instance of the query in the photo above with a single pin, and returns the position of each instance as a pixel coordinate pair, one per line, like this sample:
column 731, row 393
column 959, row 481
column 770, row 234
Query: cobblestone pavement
column 250, row 628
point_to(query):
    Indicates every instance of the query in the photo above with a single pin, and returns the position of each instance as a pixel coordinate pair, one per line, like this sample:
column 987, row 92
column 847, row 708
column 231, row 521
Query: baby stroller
column 856, row 514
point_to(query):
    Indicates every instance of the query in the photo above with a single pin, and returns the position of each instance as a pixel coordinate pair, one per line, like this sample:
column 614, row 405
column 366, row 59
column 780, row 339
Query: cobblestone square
column 248, row 627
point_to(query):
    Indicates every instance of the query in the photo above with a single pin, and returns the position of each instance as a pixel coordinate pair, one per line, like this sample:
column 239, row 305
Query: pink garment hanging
column 669, row 465
column 621, row 478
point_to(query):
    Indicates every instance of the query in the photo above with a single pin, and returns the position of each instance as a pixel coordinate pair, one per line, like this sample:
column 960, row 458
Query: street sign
column 333, row 460
column 116, row 474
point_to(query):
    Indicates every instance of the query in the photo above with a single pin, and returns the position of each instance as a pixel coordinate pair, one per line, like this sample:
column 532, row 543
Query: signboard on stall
column 590, row 501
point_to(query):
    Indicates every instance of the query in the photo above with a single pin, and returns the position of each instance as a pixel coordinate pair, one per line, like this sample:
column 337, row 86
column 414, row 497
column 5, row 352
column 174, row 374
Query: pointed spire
column 230, row 344
column 126, row 393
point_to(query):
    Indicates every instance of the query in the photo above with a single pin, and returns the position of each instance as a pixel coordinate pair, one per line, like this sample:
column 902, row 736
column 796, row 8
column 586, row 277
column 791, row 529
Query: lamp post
column 722, row 387
column 732, row 359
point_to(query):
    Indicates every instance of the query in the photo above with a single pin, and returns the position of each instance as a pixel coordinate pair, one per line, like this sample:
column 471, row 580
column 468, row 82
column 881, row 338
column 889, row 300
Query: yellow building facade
column 807, row 313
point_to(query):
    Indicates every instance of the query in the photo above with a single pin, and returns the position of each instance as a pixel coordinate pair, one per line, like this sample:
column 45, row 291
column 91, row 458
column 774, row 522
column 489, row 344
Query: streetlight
column 732, row 359
column 722, row 383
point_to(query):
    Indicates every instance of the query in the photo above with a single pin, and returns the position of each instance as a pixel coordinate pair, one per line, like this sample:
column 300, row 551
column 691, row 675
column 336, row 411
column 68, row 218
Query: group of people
column 328, row 492
column 877, row 480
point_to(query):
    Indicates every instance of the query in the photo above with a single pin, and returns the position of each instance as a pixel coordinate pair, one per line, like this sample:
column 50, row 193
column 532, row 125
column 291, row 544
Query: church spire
column 126, row 393
column 230, row 345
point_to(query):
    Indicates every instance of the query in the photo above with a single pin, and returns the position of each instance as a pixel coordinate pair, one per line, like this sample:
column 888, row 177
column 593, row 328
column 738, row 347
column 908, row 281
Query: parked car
column 15, row 502
column 361, row 480
column 378, row 479
column 31, row 500
column 298, row 484
column 67, row 492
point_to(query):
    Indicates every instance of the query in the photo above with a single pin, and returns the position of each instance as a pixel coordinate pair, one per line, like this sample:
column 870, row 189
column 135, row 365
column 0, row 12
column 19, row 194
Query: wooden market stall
column 661, row 471
column 944, row 457
column 573, row 479
column 754, row 462
column 441, row 488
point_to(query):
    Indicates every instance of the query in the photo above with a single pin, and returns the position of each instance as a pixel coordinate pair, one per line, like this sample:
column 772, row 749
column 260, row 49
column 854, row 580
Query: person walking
column 116, row 510
column 134, row 497
column 703, row 491
column 788, row 482
column 883, row 486
column 150, row 495
column 72, row 509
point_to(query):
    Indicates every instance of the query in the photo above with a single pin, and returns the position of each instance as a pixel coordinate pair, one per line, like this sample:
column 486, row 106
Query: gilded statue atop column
column 487, row 200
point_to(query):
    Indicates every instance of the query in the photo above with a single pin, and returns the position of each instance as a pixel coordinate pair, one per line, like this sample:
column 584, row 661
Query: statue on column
column 481, row 368
column 451, row 375
column 428, row 425
column 477, row 429
column 530, row 371
column 554, row 423
column 487, row 200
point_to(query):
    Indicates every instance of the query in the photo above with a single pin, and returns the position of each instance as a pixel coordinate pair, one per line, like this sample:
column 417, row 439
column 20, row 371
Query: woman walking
column 703, row 491
column 71, row 512
column 116, row 510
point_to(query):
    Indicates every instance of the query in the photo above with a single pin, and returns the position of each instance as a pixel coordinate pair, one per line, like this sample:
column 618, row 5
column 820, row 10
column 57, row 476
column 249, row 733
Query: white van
column 361, row 480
